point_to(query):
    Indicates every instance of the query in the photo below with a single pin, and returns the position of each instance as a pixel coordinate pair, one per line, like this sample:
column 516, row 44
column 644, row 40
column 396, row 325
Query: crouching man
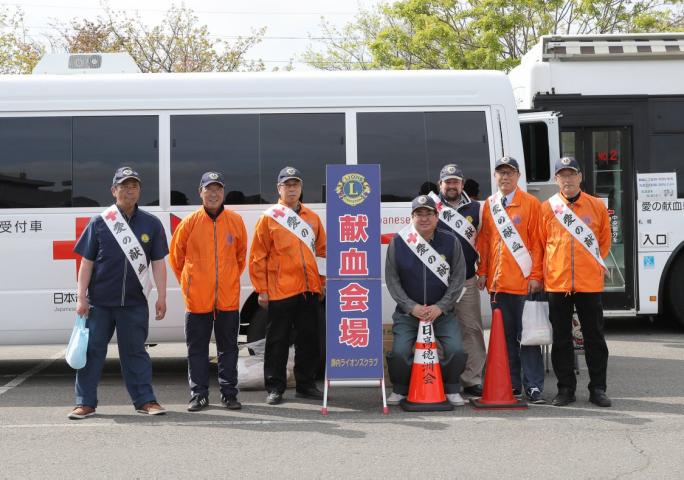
column 425, row 273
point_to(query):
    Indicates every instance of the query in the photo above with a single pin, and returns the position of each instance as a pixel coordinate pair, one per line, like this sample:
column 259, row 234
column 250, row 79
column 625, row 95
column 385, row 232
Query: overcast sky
column 289, row 23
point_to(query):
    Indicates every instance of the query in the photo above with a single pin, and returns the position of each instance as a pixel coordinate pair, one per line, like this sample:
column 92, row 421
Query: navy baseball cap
column 212, row 177
column 567, row 162
column 423, row 201
column 124, row 173
column 451, row 171
column 507, row 161
column 289, row 173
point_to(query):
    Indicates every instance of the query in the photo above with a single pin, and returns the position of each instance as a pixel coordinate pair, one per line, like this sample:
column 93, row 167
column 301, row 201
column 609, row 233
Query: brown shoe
column 81, row 411
column 151, row 408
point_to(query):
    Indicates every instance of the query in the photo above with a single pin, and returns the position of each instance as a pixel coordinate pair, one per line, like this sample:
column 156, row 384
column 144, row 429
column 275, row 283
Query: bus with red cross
column 66, row 128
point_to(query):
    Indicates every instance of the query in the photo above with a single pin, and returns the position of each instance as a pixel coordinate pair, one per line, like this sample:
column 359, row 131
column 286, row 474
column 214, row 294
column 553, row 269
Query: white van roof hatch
column 85, row 63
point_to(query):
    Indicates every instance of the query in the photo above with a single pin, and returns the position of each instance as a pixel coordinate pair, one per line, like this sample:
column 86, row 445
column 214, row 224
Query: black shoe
column 534, row 396
column 473, row 390
column 231, row 403
column 198, row 403
column 599, row 397
column 564, row 397
column 274, row 398
column 310, row 392
column 517, row 393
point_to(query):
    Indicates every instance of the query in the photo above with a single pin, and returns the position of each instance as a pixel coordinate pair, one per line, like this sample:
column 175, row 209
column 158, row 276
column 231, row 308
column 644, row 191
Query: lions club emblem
column 353, row 189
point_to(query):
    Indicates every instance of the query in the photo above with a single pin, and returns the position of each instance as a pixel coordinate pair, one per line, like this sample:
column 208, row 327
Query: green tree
column 18, row 52
column 494, row 34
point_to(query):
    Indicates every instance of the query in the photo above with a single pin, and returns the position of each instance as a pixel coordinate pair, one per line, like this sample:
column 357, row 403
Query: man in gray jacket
column 425, row 273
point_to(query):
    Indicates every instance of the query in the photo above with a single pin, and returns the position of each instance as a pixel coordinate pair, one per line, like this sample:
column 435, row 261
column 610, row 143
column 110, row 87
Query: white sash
column 457, row 222
column 424, row 251
column 293, row 223
column 577, row 228
column 509, row 234
column 129, row 244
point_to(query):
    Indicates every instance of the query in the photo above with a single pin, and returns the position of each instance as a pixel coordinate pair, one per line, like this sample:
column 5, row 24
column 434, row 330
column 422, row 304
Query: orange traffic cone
column 498, row 391
column 426, row 390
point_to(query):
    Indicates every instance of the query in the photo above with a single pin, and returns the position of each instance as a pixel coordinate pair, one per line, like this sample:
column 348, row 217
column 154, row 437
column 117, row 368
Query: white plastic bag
column 536, row 328
column 251, row 367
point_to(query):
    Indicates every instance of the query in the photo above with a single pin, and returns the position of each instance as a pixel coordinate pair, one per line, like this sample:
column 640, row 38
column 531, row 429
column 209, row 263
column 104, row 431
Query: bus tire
column 257, row 325
column 675, row 299
column 252, row 319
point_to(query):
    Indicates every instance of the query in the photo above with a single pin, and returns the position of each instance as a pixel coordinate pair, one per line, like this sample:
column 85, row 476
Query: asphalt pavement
column 640, row 437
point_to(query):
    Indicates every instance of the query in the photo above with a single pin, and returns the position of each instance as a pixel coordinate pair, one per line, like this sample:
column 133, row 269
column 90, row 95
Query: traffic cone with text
column 426, row 390
column 498, row 391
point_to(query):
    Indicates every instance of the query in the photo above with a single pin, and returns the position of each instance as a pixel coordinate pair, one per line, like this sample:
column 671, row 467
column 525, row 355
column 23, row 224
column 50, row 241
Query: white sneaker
column 455, row 399
column 395, row 398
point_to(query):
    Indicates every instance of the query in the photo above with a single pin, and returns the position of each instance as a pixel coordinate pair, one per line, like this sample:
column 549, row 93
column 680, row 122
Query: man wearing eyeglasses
column 575, row 233
column 511, row 268
column 289, row 241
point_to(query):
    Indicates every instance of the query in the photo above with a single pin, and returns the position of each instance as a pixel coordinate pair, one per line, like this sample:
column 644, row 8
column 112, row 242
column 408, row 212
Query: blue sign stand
column 353, row 286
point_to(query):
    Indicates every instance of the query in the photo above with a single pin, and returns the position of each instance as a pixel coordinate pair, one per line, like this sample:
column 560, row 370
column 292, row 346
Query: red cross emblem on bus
column 64, row 249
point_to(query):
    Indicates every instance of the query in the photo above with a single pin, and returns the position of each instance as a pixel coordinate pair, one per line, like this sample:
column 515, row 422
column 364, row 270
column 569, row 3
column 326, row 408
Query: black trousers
column 590, row 313
column 198, row 327
column 300, row 311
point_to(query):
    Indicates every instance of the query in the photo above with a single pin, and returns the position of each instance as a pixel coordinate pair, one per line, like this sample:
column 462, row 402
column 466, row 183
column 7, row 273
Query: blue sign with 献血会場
column 354, row 291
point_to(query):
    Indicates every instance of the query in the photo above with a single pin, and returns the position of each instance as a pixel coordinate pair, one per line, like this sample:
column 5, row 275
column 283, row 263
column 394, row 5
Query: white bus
column 62, row 136
column 620, row 109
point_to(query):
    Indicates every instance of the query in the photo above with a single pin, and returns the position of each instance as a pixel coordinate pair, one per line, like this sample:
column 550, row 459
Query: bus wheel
column 252, row 319
column 257, row 326
column 675, row 299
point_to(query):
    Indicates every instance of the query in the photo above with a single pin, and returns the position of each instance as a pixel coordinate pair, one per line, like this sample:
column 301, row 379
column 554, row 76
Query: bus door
column 605, row 155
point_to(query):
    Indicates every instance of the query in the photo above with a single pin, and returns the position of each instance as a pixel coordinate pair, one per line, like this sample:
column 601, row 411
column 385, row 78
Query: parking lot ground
column 641, row 436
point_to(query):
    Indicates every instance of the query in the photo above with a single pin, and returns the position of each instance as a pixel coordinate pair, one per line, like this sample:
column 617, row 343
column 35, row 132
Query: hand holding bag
column 536, row 328
column 77, row 349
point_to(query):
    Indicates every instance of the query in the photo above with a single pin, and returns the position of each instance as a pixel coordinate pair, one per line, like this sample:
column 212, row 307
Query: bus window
column 250, row 150
column 535, row 138
column 667, row 151
column 307, row 141
column 102, row 144
column 226, row 143
column 412, row 147
column 35, row 162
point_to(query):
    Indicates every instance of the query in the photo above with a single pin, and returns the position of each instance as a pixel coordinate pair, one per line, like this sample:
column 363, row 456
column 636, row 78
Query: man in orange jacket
column 208, row 252
column 511, row 268
column 283, row 268
column 575, row 232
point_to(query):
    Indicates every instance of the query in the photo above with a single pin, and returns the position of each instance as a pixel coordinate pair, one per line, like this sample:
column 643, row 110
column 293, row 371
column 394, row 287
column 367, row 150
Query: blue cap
column 507, row 161
column 567, row 162
column 212, row 177
column 423, row 201
column 289, row 173
column 451, row 171
column 124, row 173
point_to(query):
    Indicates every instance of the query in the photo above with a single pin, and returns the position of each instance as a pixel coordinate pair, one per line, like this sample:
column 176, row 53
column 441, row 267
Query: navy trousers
column 198, row 328
column 131, row 325
column 525, row 357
